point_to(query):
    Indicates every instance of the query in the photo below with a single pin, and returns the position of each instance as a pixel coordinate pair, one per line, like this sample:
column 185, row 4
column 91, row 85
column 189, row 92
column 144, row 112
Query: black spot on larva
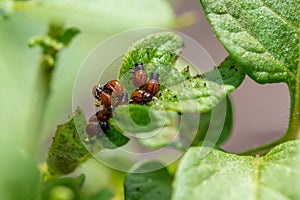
column 232, row 66
column 236, row 69
column 137, row 189
column 223, row 75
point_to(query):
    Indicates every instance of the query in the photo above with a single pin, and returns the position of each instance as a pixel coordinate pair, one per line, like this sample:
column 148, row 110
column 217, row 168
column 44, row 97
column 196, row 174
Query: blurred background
column 260, row 111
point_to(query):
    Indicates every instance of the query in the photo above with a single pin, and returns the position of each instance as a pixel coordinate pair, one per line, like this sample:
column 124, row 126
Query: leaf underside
column 219, row 131
column 261, row 36
column 221, row 175
column 71, row 144
column 66, row 150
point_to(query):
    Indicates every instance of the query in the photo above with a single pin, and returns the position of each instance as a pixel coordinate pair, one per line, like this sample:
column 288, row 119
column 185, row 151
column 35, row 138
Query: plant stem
column 262, row 150
column 293, row 131
column 42, row 90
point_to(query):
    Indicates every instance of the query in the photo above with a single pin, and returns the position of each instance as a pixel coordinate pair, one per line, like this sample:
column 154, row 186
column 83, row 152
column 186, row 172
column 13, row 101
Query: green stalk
column 293, row 131
column 262, row 150
column 42, row 90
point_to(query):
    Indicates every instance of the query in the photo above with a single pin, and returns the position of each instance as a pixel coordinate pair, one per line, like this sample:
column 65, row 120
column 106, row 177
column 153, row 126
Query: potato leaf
column 220, row 175
column 261, row 36
column 158, row 52
column 67, row 150
column 179, row 92
column 70, row 144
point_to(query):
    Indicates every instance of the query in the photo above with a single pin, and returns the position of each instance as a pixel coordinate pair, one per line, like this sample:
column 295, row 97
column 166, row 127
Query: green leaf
column 194, row 95
column 162, row 137
column 148, row 185
column 158, row 52
column 67, row 35
column 213, row 126
column 63, row 188
column 227, row 73
column 6, row 8
column 116, row 139
column 261, row 36
column 197, row 94
column 103, row 16
column 67, row 150
column 56, row 39
column 220, row 175
column 179, row 91
column 111, row 139
column 102, row 195
column 138, row 118
column 201, row 94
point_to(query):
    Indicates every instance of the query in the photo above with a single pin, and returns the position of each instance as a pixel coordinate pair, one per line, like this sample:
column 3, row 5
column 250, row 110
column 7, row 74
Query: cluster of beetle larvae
column 112, row 95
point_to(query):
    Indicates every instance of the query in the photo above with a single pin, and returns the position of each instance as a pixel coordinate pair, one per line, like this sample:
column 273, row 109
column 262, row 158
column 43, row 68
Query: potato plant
column 42, row 46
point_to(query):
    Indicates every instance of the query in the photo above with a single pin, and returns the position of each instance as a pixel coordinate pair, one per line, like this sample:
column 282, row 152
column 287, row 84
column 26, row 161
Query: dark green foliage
column 67, row 150
column 145, row 184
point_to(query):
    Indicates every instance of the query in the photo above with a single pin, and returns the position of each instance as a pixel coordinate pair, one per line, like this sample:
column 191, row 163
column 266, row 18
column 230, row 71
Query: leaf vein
column 256, row 176
column 286, row 22
column 275, row 191
column 220, row 171
column 279, row 16
column 247, row 51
